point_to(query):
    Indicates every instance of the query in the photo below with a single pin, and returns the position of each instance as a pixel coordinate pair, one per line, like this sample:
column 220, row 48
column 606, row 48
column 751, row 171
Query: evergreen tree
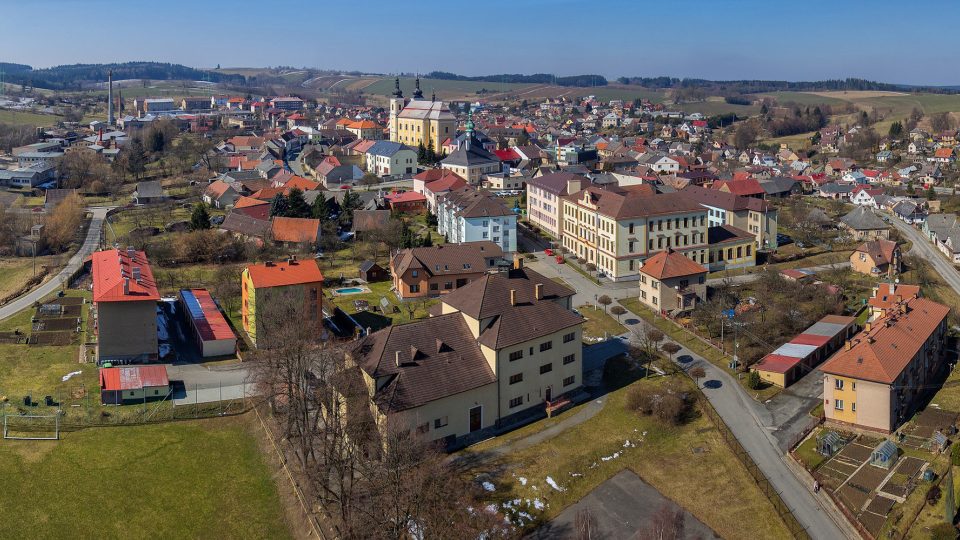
column 896, row 130
column 297, row 205
column 320, row 209
column 427, row 240
column 931, row 193
column 200, row 219
column 279, row 206
column 136, row 158
column 421, row 153
column 351, row 201
column 156, row 141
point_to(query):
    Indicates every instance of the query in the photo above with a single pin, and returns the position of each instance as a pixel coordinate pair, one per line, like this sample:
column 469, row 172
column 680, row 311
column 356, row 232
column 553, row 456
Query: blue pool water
column 348, row 290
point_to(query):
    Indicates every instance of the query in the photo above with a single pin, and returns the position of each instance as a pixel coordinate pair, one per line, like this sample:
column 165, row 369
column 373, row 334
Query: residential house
column 672, row 283
column 149, row 191
column 471, row 161
column 864, row 196
column 468, row 215
column 409, row 202
column 125, row 297
column 545, row 199
column 388, row 158
column 436, row 270
column 295, row 231
column 435, row 183
column 944, row 231
column 507, row 345
column 220, row 194
column 880, row 377
column 876, row 258
column 862, row 223
column 280, row 283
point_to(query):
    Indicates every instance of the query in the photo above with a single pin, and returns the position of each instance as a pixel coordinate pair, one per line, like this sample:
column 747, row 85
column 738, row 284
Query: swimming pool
column 349, row 290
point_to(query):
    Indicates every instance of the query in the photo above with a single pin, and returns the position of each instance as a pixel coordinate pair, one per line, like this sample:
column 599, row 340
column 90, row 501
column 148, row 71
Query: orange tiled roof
column 284, row 273
column 114, row 278
column 670, row 264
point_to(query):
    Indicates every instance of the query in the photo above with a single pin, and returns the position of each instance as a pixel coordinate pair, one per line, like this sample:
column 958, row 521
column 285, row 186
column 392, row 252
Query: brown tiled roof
column 243, row 224
column 619, row 204
column 473, row 203
column 438, row 358
column 881, row 354
column 719, row 234
column 297, row 230
column 880, row 251
column 448, row 259
column 670, row 264
column 487, row 299
column 556, row 183
column 724, row 200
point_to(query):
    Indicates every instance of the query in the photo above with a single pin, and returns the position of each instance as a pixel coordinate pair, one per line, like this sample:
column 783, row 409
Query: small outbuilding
column 211, row 331
column 372, row 272
column 829, row 443
column 884, row 455
column 133, row 384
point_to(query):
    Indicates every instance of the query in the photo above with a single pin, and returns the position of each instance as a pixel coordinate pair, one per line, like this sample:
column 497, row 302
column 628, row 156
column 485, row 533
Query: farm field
column 15, row 271
column 28, row 118
column 196, row 479
column 445, row 89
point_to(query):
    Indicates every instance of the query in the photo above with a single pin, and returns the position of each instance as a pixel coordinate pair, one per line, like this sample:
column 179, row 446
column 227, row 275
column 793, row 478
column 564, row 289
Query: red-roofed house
column 288, row 230
column 407, row 201
column 133, row 384
column 436, row 183
column 125, row 299
column 671, row 282
column 271, row 283
column 748, row 187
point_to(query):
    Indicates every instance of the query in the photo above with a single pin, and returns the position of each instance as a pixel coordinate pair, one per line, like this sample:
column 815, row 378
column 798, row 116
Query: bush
column 669, row 404
column 753, row 380
column 933, row 495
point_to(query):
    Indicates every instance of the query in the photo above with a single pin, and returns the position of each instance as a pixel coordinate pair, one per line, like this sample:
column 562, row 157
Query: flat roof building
column 211, row 331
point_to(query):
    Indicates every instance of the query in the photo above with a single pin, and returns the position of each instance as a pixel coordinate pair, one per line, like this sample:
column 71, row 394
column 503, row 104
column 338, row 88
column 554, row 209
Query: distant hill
column 70, row 77
column 537, row 78
column 760, row 86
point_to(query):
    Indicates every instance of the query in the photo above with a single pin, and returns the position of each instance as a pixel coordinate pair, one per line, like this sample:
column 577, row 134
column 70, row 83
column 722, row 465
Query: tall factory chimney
column 110, row 98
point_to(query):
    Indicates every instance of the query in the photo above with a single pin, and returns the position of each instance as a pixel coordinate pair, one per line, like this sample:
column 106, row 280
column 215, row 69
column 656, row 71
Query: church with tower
column 420, row 121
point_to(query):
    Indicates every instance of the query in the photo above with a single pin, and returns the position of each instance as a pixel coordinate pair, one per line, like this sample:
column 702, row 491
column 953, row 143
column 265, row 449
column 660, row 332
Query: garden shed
column 884, row 455
column 829, row 443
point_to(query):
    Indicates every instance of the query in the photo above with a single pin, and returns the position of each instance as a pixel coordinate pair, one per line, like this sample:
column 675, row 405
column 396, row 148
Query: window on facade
column 569, row 359
column 546, row 346
column 654, row 300
column 440, row 422
column 546, row 368
column 838, row 404
column 655, row 284
column 853, row 407
column 631, row 228
column 423, row 428
column 448, row 285
column 434, row 286
column 516, row 355
column 414, row 288
column 567, row 338
column 486, row 234
column 514, row 379
column 567, row 381
column 414, row 273
column 838, row 384
column 516, row 402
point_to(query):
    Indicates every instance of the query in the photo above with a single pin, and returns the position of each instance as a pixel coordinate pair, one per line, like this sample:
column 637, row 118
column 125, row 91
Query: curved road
column 923, row 247
column 51, row 285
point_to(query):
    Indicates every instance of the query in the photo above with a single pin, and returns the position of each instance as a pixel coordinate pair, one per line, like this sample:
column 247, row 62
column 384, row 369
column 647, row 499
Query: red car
column 549, row 252
column 559, row 259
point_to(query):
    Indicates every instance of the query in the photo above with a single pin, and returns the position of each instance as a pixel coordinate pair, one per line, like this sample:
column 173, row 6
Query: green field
column 445, row 89
column 197, row 479
column 28, row 118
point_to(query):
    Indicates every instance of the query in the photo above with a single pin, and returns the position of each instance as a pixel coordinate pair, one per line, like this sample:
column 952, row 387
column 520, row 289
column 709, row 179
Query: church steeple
column 468, row 137
column 417, row 93
column 396, row 88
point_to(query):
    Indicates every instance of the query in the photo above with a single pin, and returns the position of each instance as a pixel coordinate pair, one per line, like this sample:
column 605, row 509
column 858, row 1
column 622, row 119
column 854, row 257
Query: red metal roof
column 115, row 277
column 810, row 339
column 206, row 316
column 777, row 363
column 133, row 377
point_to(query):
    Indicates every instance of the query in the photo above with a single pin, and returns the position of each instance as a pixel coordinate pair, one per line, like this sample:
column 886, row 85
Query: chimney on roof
column 513, row 297
column 130, row 251
column 397, row 358
column 538, row 291
column 867, row 327
column 848, row 345
column 893, row 287
column 136, row 274
column 903, row 307
column 126, row 285
column 517, row 262
column 269, row 264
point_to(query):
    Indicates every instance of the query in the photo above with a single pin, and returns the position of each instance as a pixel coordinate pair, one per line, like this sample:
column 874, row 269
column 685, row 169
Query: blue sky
column 723, row 39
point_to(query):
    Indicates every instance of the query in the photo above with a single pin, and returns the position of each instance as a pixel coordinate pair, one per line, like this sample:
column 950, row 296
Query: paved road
column 753, row 424
column 924, row 248
column 51, row 285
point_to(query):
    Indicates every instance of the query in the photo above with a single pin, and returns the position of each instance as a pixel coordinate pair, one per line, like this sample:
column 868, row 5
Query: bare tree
column 619, row 311
column 670, row 348
column 698, row 373
column 666, row 524
column 584, row 523
column 604, row 301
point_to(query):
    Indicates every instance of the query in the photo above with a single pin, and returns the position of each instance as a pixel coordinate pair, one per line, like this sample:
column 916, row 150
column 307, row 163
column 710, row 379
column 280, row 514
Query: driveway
column 56, row 282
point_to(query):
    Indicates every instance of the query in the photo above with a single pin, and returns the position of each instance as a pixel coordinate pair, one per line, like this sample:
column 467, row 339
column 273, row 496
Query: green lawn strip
column 377, row 320
column 599, row 324
column 675, row 460
column 808, row 455
column 197, row 479
column 695, row 344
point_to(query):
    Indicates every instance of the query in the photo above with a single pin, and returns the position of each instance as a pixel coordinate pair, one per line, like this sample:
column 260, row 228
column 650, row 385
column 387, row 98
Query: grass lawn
column 377, row 321
column 16, row 271
column 28, row 118
column 38, row 369
column 599, row 324
column 695, row 344
column 932, row 515
column 674, row 460
column 198, row 479
column 948, row 397
column 808, row 455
